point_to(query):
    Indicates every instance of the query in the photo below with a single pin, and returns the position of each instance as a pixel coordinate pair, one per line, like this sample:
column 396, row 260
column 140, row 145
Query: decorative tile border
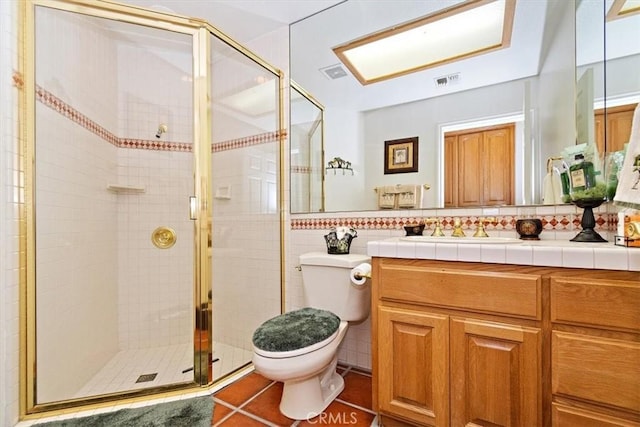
column 50, row 100
column 248, row 141
column 55, row 103
column 560, row 222
column 146, row 144
column 302, row 169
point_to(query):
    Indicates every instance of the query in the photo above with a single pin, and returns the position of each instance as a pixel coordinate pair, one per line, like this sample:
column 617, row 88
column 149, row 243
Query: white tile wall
column 76, row 245
column 155, row 286
column 76, row 57
column 96, row 263
column 154, row 88
column 10, row 181
column 246, row 244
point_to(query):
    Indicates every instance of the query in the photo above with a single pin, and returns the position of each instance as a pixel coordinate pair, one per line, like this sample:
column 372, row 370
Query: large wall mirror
column 607, row 64
column 529, row 86
column 306, row 151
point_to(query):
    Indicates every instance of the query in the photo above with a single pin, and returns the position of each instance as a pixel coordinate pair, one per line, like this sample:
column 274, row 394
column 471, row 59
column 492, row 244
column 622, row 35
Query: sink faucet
column 437, row 231
column 457, row 228
column 480, row 231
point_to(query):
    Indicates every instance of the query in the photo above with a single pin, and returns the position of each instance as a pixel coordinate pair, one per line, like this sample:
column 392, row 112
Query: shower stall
column 152, row 223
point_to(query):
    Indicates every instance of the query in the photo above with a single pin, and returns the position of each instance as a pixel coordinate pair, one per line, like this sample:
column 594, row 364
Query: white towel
column 386, row 200
column 407, row 196
column 552, row 188
column 628, row 190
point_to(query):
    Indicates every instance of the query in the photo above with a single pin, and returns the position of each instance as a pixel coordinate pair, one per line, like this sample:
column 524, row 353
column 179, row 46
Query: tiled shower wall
column 76, row 266
column 10, row 203
column 246, row 218
column 109, row 287
column 85, row 111
column 246, row 242
column 155, row 285
column 77, row 281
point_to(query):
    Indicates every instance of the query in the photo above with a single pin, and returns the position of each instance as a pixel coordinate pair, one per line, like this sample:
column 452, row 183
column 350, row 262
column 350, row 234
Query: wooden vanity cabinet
column 595, row 350
column 456, row 345
column 471, row 344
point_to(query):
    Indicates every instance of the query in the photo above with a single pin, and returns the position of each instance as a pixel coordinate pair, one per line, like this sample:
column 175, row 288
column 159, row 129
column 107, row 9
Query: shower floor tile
column 124, row 369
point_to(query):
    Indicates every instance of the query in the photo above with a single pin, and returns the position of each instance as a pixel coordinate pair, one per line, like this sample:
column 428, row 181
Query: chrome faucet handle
column 437, row 231
column 457, row 228
column 480, row 231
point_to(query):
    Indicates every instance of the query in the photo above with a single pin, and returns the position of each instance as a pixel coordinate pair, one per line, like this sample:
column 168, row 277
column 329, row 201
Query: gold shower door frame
column 201, row 210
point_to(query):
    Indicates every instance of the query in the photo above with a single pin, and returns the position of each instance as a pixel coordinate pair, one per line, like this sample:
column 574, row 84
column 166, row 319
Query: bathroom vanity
column 459, row 343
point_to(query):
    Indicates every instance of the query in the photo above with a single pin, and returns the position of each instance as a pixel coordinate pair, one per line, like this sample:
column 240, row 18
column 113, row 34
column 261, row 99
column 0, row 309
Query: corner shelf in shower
column 125, row 189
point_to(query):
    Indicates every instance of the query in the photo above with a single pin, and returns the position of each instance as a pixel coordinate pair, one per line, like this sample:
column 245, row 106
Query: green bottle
column 582, row 174
column 564, row 178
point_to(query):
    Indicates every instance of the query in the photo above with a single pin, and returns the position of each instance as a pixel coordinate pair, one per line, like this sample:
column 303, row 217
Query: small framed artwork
column 401, row 155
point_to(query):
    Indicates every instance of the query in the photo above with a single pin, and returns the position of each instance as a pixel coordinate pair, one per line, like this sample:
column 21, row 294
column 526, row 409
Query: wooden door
column 450, row 170
column 413, row 381
column 613, row 127
column 495, row 374
column 498, row 167
column 470, row 169
column 619, row 127
column 479, row 166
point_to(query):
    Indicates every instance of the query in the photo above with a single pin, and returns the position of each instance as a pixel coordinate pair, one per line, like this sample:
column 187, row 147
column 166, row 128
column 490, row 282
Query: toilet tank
column 327, row 285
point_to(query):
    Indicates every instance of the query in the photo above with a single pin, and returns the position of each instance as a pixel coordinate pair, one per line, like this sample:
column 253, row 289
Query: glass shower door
column 114, row 241
column 307, row 152
column 245, row 182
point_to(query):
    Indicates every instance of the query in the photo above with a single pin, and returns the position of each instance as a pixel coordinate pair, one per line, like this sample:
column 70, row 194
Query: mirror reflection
column 527, row 87
column 607, row 44
column 306, row 123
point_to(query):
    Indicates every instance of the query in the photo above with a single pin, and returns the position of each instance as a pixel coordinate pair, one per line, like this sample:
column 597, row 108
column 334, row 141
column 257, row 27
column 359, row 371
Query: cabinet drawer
column 567, row 416
column 610, row 305
column 598, row 369
column 504, row 293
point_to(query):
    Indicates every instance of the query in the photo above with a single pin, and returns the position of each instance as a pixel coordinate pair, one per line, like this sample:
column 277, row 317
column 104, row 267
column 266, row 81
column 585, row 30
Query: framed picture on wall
column 401, row 155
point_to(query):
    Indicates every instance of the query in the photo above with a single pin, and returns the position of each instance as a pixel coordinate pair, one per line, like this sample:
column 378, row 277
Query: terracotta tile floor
column 253, row 401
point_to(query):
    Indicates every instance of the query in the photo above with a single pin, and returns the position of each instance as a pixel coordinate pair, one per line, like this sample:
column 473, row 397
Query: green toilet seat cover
column 295, row 330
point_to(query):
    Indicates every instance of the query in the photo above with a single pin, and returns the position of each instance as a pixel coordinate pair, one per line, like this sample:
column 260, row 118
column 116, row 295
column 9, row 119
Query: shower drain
column 146, row 378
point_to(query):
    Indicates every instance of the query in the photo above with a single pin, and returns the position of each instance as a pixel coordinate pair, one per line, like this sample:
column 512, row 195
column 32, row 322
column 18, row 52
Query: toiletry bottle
column 582, row 174
column 564, row 178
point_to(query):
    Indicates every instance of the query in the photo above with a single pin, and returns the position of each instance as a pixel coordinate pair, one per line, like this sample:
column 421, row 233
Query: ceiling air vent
column 334, row 71
column 448, row 80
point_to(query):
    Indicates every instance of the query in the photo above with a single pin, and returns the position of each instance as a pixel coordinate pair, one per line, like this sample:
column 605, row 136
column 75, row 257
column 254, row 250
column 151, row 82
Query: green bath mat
column 196, row 412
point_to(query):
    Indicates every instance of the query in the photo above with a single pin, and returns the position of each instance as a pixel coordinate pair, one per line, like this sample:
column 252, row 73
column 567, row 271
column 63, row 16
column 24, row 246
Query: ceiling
column 257, row 16
column 246, row 20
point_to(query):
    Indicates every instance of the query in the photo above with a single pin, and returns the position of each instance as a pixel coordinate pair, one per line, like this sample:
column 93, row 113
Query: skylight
column 622, row 8
column 471, row 28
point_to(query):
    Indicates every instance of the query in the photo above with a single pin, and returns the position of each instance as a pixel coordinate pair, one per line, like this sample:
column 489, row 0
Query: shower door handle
column 193, row 207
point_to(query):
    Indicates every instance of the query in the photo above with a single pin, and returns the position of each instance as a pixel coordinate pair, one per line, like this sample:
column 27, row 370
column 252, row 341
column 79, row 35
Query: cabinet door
column 495, row 374
column 567, row 416
column 601, row 370
column 413, row 365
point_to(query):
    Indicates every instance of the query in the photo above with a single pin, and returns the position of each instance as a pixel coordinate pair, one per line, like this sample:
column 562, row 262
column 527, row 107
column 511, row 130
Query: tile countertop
column 550, row 253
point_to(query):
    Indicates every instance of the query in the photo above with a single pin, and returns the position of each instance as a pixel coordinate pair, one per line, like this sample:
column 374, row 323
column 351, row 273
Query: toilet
column 300, row 348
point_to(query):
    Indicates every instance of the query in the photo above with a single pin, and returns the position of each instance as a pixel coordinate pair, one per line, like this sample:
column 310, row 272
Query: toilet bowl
column 300, row 348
